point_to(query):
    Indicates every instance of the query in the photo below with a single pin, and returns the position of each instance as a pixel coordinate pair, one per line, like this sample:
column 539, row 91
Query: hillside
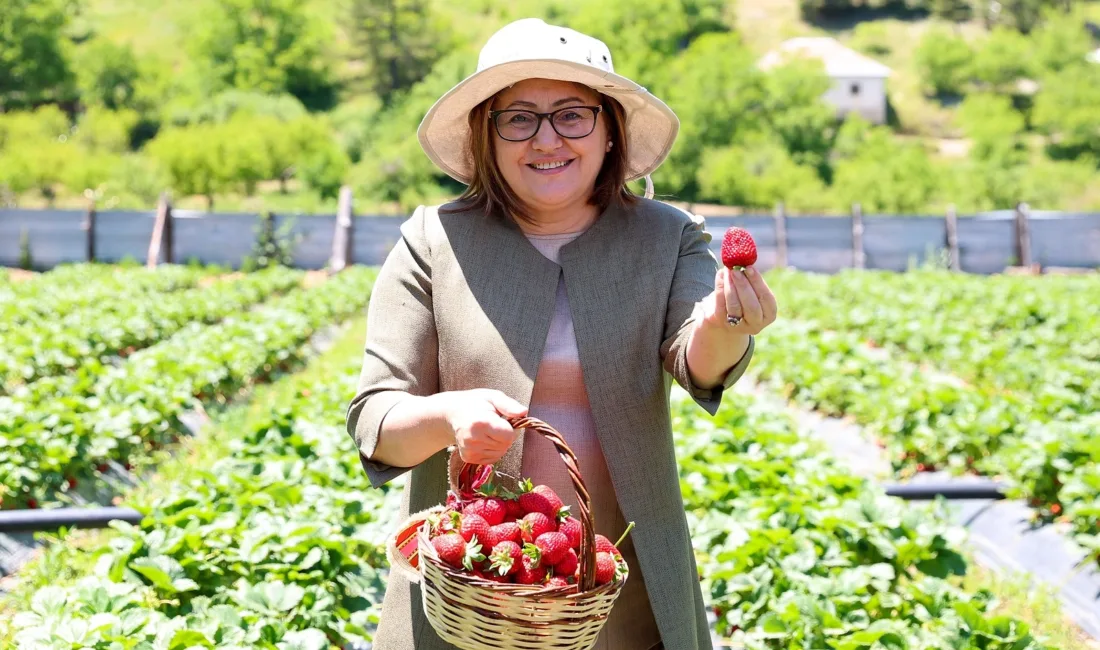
column 243, row 105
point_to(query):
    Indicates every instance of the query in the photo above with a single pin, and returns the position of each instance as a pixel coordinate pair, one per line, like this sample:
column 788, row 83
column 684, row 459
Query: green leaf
column 310, row 639
column 187, row 639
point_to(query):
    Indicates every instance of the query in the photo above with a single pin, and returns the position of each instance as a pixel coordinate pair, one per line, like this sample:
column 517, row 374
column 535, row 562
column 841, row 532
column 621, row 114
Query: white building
column 859, row 82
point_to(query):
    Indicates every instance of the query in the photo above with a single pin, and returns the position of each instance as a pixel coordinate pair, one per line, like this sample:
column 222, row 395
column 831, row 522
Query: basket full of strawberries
column 507, row 565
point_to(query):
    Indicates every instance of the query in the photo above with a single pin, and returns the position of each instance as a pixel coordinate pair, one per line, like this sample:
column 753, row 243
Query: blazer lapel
column 493, row 253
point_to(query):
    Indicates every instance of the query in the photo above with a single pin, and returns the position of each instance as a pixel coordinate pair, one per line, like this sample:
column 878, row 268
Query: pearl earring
column 609, row 145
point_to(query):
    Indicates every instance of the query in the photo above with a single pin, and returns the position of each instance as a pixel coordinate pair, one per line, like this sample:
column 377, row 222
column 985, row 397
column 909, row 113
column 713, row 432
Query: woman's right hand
column 482, row 435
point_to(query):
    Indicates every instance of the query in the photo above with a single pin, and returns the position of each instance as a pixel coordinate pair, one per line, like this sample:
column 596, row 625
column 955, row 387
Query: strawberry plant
column 117, row 413
column 276, row 546
column 954, row 372
column 123, row 324
column 795, row 552
column 76, row 287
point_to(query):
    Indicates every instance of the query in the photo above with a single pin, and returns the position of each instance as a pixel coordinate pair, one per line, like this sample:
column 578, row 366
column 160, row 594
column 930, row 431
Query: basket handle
column 466, row 478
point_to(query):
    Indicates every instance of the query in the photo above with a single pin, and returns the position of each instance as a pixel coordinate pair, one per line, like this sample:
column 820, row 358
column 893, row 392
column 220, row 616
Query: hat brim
column 445, row 130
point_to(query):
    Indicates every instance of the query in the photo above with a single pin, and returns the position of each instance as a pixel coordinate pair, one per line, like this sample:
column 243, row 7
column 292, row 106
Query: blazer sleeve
column 401, row 356
column 692, row 281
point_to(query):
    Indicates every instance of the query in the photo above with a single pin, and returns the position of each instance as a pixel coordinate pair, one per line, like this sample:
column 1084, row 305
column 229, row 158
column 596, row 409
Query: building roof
column 840, row 61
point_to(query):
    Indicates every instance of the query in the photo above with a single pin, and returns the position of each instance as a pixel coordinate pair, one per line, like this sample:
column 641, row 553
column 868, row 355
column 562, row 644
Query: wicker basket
column 476, row 614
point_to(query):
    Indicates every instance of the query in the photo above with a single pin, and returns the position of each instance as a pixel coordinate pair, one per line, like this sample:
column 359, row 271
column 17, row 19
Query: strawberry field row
column 930, row 421
column 1033, row 336
column 278, row 545
column 795, row 552
column 122, row 324
column 82, row 286
column 63, row 433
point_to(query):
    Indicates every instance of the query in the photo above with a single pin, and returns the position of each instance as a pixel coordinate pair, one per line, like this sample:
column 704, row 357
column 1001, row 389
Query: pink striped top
column 560, row 399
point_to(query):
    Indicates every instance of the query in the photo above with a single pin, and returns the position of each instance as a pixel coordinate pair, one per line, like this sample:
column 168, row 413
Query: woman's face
column 524, row 164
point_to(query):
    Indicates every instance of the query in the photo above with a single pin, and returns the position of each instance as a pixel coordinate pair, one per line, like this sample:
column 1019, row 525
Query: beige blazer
column 465, row 301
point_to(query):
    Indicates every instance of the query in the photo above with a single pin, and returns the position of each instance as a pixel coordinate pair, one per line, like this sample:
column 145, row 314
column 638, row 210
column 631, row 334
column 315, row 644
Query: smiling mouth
column 549, row 166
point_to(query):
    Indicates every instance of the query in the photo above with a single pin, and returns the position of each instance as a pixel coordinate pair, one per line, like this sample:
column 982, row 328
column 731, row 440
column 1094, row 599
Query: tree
column 44, row 123
column 234, row 103
column 399, row 40
column 1061, row 41
column 758, row 175
column 953, row 10
column 270, row 46
column 796, row 113
column 943, row 59
column 324, row 169
column 719, row 95
column 34, row 54
column 885, row 175
column 645, row 35
column 397, row 169
column 1066, row 108
column 193, row 158
column 100, row 129
column 1002, row 58
column 993, row 126
column 1021, row 15
column 108, row 74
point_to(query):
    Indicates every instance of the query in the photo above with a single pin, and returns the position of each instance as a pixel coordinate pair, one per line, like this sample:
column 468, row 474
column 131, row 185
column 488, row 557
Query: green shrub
column 943, row 59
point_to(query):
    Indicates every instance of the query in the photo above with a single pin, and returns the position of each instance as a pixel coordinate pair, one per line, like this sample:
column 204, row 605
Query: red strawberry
column 571, row 528
column 551, row 496
column 474, row 525
column 558, row 581
column 513, row 510
column 507, row 558
column 530, row 573
column 738, row 248
column 535, row 524
column 444, row 522
column 32, row 504
column 493, row 576
column 606, row 568
column 72, row 483
column 507, row 532
column 453, row 550
column 532, row 500
column 553, row 546
column 491, row 509
column 567, row 566
column 604, row 545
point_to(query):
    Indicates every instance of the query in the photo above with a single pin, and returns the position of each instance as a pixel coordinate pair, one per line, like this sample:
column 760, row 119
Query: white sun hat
column 529, row 49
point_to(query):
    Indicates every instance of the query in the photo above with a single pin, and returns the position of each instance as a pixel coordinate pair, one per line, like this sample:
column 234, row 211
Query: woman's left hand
column 742, row 295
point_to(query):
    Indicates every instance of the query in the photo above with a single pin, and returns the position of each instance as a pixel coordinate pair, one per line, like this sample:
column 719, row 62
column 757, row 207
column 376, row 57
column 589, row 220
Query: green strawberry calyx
column 473, row 554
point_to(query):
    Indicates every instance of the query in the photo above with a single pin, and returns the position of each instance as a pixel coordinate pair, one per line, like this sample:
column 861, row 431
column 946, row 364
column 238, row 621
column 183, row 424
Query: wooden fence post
column 169, row 233
column 89, row 229
column 781, row 259
column 859, row 258
column 342, row 240
column 164, row 213
column 1023, row 235
column 952, row 227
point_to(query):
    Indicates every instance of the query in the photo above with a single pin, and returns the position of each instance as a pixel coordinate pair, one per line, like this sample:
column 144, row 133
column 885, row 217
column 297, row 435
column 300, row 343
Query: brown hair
column 489, row 192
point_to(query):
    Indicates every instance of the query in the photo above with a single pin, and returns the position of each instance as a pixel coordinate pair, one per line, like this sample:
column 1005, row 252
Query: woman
column 548, row 289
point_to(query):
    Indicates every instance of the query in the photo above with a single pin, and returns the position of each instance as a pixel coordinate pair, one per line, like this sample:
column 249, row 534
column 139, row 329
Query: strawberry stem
column 624, row 534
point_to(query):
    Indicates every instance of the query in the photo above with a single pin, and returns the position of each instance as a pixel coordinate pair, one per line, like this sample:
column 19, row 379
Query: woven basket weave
column 476, row 614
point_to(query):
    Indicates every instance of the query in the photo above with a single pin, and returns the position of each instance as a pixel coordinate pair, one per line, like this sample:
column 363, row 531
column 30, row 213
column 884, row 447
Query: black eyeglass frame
column 596, row 110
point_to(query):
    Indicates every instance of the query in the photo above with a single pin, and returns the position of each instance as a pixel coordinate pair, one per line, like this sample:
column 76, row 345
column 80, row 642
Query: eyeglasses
column 570, row 122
